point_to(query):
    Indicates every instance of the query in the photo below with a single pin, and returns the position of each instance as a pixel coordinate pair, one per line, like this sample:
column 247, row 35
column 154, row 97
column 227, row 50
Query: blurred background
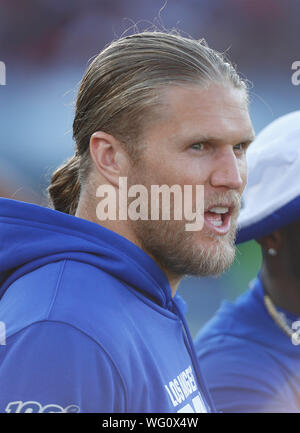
column 46, row 46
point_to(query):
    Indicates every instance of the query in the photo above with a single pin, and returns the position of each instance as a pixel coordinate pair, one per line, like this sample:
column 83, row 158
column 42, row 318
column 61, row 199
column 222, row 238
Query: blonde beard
column 180, row 253
column 177, row 250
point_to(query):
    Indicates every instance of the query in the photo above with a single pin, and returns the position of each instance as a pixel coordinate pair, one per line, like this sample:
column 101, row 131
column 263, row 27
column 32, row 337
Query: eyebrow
column 210, row 139
column 251, row 138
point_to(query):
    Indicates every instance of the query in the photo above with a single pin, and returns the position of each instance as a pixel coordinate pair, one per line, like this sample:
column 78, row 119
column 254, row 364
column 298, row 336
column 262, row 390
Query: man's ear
column 109, row 156
column 273, row 240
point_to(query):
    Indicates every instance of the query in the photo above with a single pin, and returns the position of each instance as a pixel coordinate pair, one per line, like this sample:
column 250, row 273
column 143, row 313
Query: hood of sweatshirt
column 32, row 235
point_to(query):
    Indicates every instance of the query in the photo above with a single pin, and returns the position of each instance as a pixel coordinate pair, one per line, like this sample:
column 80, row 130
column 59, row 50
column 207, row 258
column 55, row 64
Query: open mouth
column 218, row 219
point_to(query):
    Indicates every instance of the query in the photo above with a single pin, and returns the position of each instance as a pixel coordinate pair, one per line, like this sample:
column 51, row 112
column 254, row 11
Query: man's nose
column 227, row 171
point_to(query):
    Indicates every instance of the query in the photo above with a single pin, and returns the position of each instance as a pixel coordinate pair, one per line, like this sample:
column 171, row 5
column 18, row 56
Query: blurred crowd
column 43, row 32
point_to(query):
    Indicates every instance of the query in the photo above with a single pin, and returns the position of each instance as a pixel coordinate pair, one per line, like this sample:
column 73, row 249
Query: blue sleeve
column 243, row 378
column 53, row 367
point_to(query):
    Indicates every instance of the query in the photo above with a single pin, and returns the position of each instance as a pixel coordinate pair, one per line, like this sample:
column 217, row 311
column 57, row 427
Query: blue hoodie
column 250, row 364
column 90, row 323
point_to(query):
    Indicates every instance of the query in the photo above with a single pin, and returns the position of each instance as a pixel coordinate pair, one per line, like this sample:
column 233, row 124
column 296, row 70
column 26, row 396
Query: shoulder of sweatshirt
column 80, row 295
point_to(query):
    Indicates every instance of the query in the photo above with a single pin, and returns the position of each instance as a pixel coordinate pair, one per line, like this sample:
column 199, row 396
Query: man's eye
column 240, row 146
column 198, row 146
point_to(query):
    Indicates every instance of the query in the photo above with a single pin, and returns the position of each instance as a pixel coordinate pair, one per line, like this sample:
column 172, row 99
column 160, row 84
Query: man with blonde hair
column 90, row 305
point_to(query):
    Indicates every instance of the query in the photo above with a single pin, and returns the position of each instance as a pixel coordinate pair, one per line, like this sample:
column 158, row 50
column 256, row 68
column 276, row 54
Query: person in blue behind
column 89, row 305
column 249, row 351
